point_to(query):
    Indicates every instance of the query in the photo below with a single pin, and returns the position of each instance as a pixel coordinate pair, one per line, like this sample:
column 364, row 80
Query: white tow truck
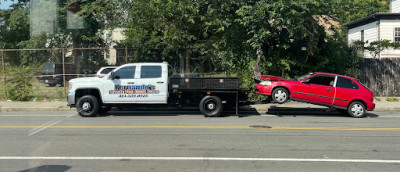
column 148, row 85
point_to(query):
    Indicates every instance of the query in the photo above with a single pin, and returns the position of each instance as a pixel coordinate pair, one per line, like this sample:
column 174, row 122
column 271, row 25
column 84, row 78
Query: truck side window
column 346, row 83
column 150, row 72
column 322, row 80
column 125, row 73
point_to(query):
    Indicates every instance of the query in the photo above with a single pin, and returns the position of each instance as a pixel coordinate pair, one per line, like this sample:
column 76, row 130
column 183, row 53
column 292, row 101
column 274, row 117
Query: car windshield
column 303, row 76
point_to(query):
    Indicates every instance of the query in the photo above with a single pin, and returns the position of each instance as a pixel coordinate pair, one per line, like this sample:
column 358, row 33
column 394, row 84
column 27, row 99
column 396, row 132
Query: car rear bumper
column 71, row 99
column 370, row 106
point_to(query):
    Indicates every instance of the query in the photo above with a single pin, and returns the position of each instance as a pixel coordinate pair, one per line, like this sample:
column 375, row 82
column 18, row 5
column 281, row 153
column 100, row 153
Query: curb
column 43, row 109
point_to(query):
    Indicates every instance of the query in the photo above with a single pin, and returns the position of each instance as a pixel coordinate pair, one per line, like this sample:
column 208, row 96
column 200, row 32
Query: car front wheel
column 356, row 109
column 280, row 95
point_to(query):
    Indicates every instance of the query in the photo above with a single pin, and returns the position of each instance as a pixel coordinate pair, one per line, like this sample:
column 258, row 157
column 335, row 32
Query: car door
column 154, row 79
column 317, row 89
column 122, row 88
column 346, row 89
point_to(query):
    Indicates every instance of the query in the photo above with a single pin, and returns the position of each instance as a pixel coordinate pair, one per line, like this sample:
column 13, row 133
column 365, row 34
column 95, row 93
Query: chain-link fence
column 42, row 74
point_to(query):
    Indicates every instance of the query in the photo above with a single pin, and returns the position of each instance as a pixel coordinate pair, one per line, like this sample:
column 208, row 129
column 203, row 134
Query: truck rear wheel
column 87, row 106
column 211, row 106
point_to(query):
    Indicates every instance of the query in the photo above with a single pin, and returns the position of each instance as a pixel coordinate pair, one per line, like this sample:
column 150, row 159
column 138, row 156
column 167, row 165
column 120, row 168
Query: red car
column 344, row 93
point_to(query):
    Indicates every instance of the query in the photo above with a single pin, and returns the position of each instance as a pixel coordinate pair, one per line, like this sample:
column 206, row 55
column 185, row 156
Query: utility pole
column 4, row 69
column 63, row 63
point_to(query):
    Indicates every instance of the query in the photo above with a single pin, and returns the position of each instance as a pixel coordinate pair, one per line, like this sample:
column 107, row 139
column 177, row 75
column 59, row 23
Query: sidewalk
column 62, row 106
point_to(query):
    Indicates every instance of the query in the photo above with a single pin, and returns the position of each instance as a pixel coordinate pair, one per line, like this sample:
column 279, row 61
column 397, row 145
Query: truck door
column 122, row 88
column 153, row 84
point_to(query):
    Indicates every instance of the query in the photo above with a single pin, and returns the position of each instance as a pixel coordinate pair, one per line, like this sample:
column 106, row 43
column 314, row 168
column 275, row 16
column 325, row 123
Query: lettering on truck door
column 123, row 88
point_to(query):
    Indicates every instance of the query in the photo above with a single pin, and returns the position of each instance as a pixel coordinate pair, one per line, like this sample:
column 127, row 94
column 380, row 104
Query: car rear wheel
column 211, row 106
column 87, row 106
column 280, row 95
column 356, row 109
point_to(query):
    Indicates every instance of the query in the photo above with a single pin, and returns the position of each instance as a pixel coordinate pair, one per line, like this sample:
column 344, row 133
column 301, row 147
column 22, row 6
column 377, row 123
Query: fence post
column 126, row 55
column 3, row 72
column 63, row 63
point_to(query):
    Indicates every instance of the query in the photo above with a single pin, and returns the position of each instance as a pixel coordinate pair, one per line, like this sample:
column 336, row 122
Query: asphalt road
column 280, row 140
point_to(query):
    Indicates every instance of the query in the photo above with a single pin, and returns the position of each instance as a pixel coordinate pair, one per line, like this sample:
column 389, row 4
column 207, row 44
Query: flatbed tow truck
column 149, row 85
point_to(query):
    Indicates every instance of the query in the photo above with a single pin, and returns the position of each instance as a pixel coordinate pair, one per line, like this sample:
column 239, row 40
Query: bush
column 19, row 86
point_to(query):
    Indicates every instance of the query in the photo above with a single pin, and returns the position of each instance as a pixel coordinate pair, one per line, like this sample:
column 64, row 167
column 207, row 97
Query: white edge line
column 198, row 159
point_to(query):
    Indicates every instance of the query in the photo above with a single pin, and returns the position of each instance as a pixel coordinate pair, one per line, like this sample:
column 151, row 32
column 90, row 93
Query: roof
column 330, row 24
column 324, row 73
column 373, row 18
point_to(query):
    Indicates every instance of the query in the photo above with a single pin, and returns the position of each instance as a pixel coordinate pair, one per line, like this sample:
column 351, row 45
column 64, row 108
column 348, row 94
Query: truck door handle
column 131, row 83
column 328, row 89
column 160, row 82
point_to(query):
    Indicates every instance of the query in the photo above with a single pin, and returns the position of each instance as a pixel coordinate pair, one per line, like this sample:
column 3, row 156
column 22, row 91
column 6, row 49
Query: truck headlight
column 268, row 83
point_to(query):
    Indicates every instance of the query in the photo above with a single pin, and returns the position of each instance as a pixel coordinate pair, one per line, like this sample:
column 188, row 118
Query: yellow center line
column 208, row 127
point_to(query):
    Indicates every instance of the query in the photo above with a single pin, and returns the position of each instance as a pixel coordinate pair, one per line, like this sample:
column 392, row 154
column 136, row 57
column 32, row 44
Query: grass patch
column 392, row 99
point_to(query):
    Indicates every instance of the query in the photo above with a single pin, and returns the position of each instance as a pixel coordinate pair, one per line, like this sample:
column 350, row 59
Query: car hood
column 273, row 78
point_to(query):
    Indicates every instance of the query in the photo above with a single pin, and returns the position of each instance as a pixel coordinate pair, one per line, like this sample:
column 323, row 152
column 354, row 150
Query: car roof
column 324, row 73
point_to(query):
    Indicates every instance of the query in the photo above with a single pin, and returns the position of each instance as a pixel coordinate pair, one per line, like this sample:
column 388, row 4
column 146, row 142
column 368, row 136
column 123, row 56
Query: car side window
column 322, row 80
column 150, row 72
column 125, row 73
column 346, row 83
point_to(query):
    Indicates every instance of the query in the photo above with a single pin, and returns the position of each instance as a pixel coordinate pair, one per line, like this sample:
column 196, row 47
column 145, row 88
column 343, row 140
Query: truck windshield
column 303, row 76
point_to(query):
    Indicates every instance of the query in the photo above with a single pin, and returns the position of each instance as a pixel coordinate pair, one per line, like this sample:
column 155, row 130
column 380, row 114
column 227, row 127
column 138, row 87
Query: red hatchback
column 332, row 90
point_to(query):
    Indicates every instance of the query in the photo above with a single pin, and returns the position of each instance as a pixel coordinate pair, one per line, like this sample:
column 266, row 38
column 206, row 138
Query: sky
column 5, row 4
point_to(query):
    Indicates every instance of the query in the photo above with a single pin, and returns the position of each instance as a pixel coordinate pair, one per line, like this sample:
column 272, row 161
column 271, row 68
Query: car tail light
column 54, row 75
column 98, row 76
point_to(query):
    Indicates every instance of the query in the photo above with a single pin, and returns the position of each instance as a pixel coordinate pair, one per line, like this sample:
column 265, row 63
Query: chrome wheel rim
column 210, row 105
column 357, row 109
column 86, row 106
column 280, row 96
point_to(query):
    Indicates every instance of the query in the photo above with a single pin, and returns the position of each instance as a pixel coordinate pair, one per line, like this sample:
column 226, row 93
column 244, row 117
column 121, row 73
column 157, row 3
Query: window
column 150, row 72
column 125, row 73
column 346, row 83
column 322, row 80
column 397, row 34
column 362, row 36
column 106, row 70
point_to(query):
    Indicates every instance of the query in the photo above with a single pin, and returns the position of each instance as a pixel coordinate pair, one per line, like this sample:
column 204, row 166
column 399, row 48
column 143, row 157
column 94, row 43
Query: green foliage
column 376, row 47
column 392, row 99
column 19, row 86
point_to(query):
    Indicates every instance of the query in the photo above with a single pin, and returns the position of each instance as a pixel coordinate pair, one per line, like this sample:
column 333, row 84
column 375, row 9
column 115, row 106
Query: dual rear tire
column 211, row 106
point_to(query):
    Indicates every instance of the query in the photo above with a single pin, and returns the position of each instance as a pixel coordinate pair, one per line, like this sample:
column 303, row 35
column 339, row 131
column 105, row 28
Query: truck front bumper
column 71, row 99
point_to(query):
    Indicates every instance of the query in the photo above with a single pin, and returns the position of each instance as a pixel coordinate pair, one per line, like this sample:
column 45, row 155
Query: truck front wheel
column 211, row 106
column 87, row 106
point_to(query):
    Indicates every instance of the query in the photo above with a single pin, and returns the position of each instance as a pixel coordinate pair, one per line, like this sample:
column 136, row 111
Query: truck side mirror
column 112, row 77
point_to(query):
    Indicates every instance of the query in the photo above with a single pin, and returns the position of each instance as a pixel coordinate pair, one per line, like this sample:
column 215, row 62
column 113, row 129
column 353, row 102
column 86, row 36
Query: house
column 378, row 26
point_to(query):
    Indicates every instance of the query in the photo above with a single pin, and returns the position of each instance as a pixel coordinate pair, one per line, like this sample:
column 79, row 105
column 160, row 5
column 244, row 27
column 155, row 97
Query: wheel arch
column 358, row 100
column 281, row 86
column 88, row 91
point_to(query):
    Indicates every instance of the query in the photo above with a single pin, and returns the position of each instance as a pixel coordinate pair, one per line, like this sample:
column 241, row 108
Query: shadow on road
column 175, row 112
column 320, row 112
column 55, row 168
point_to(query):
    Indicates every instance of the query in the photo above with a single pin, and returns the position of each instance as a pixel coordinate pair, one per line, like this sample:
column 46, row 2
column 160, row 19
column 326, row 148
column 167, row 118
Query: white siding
column 370, row 35
column 395, row 6
column 387, row 33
